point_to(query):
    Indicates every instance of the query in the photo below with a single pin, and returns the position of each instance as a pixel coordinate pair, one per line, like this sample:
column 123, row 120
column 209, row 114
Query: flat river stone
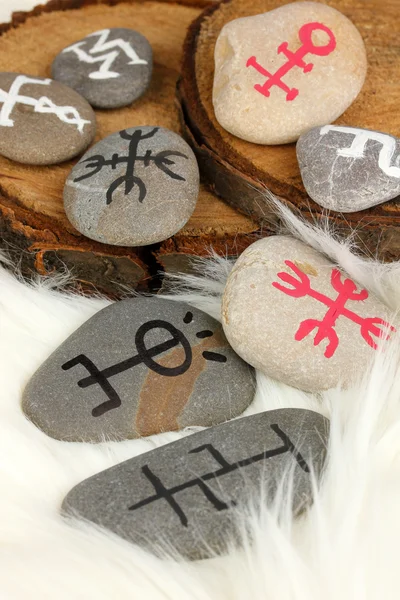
column 349, row 169
column 110, row 68
column 135, row 187
column 42, row 122
column 188, row 493
column 280, row 73
column 288, row 311
column 138, row 367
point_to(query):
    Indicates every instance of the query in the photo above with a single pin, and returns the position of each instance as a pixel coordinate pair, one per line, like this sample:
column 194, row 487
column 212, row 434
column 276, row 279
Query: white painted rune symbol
column 67, row 114
column 357, row 148
column 107, row 59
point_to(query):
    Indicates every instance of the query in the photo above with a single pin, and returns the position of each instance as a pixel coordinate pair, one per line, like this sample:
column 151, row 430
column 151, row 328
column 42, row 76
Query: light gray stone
column 280, row 73
column 158, row 365
column 188, row 494
column 349, row 169
column 135, row 187
column 289, row 312
column 110, row 68
column 42, row 122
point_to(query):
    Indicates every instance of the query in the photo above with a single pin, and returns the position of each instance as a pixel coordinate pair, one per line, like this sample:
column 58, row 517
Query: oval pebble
column 135, row 187
column 280, row 73
column 187, row 495
column 111, row 68
column 349, row 169
column 139, row 367
column 42, row 122
column 288, row 311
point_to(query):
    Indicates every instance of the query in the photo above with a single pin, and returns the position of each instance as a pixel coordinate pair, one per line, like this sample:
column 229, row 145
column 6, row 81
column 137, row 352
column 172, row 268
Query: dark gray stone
column 183, row 493
column 110, row 68
column 135, row 203
column 164, row 366
column 348, row 169
column 42, row 122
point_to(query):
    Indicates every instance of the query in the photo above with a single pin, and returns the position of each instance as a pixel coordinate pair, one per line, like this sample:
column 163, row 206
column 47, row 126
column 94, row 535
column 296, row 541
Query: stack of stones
column 136, row 187
column 285, row 76
column 148, row 365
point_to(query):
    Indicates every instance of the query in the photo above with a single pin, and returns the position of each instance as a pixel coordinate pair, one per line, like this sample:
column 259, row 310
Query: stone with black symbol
column 348, row 169
column 288, row 311
column 188, row 494
column 139, row 367
column 135, row 187
column 36, row 113
column 111, row 68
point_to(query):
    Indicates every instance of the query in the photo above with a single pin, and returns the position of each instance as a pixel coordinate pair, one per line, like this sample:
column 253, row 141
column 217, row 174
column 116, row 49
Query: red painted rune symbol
column 295, row 59
column 336, row 308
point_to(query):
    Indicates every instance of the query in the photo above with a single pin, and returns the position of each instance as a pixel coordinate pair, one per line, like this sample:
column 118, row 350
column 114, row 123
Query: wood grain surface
column 33, row 224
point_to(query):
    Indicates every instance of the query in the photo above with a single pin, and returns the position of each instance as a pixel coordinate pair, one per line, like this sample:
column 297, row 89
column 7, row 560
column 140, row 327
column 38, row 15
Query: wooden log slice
column 33, row 225
column 239, row 171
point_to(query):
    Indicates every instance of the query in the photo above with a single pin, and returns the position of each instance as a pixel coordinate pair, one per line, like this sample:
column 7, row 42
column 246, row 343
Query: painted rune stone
column 349, row 169
column 135, row 187
column 188, row 494
column 289, row 312
column 111, row 68
column 36, row 113
column 280, row 73
column 139, row 367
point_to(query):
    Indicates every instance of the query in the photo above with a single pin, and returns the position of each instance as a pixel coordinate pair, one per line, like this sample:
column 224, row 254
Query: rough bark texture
column 239, row 171
column 33, row 225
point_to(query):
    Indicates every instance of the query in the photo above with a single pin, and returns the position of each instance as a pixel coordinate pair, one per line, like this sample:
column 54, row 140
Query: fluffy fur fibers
column 345, row 547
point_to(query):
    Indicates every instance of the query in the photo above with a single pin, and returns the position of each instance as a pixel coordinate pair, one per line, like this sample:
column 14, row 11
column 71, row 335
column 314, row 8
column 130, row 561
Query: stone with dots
column 290, row 312
column 139, row 367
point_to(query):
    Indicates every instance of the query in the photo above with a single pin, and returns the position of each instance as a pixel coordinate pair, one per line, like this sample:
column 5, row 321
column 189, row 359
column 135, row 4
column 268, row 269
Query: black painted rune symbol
column 162, row 160
column 168, row 494
column 144, row 355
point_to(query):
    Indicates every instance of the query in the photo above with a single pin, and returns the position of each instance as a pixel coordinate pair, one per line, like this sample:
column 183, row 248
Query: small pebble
column 139, row 367
column 111, row 68
column 288, row 311
column 42, row 122
column 187, row 495
column 349, row 169
column 280, row 73
column 135, row 187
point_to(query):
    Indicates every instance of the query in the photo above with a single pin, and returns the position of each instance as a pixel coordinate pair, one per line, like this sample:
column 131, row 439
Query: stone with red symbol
column 289, row 312
column 280, row 73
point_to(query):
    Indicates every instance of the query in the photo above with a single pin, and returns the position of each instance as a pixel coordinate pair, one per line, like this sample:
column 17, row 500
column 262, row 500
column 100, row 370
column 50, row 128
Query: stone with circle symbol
column 36, row 113
column 111, row 68
column 189, row 494
column 139, row 367
column 288, row 311
column 280, row 73
column 135, row 187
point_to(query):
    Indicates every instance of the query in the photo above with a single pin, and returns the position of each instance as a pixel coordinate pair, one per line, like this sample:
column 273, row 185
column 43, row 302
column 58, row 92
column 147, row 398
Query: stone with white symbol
column 42, row 122
column 288, row 311
column 188, row 495
column 135, row 187
column 280, row 73
column 111, row 68
column 139, row 367
column 349, row 169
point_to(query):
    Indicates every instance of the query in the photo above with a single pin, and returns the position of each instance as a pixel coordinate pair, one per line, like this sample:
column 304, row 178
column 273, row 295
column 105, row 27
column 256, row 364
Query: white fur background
column 345, row 548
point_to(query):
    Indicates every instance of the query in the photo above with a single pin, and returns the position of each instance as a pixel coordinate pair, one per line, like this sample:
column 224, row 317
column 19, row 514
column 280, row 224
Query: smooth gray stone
column 183, row 493
column 135, row 187
column 110, row 68
column 348, row 169
column 165, row 366
column 42, row 122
